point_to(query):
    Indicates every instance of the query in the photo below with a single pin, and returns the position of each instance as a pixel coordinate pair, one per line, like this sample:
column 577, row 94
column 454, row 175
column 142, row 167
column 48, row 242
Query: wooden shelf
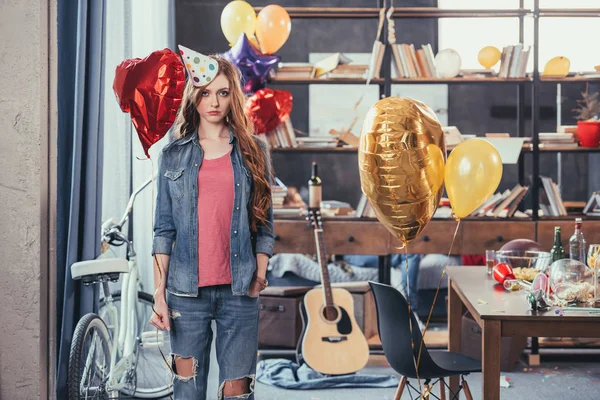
column 328, row 81
column 330, row 12
column 314, row 149
column 566, row 149
column 459, row 80
column 568, row 79
column 433, row 12
column 571, row 12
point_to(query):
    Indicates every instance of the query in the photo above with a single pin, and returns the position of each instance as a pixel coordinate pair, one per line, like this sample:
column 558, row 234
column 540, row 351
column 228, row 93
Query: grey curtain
column 81, row 51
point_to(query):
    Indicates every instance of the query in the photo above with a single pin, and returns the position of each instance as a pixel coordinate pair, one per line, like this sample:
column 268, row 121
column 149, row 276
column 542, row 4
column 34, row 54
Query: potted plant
column 587, row 113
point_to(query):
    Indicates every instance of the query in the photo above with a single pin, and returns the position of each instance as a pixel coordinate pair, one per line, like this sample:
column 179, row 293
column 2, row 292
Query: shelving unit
column 531, row 82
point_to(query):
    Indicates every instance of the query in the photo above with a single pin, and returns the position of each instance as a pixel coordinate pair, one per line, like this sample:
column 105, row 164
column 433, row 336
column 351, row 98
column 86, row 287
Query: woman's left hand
column 256, row 286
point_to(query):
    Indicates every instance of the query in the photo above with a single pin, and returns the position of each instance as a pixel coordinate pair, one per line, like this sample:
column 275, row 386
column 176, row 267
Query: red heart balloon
column 267, row 108
column 150, row 90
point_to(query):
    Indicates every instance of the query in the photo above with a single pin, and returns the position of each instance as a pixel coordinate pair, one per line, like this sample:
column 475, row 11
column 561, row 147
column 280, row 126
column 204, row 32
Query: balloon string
column 437, row 292
column 158, row 265
column 410, row 325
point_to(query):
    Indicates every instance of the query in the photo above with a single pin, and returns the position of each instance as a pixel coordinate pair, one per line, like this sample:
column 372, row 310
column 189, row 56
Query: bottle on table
column 577, row 244
column 314, row 188
column 557, row 252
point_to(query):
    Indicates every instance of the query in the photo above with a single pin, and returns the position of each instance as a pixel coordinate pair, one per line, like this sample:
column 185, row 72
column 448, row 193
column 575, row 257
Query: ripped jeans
column 191, row 337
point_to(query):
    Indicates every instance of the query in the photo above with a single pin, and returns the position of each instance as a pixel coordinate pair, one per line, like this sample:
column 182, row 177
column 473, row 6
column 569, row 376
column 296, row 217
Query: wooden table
column 502, row 313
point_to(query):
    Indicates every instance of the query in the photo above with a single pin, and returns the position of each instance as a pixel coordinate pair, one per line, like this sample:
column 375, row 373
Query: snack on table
column 525, row 274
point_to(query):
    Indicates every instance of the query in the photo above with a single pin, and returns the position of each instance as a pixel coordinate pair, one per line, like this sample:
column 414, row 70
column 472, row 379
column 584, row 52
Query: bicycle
column 104, row 360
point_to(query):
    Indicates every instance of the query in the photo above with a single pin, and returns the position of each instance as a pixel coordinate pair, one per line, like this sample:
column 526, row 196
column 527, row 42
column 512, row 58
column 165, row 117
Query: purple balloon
column 253, row 65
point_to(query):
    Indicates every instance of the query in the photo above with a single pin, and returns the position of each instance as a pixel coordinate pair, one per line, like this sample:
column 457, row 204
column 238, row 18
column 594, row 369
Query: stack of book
column 557, row 139
column 283, row 136
column 513, row 61
column 411, row 63
column 293, row 70
column 334, row 208
column 280, row 192
column 316, row 141
column 347, row 71
column 503, row 205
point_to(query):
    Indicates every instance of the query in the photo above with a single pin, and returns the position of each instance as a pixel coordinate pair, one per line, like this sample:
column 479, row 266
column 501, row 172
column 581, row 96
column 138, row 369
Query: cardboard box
column 472, row 341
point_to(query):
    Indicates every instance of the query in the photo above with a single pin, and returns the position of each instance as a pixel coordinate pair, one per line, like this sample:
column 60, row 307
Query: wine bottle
column 577, row 244
column 314, row 188
column 557, row 252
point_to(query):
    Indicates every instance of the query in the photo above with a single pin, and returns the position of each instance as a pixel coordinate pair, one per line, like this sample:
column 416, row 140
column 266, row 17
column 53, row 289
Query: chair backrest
column 394, row 332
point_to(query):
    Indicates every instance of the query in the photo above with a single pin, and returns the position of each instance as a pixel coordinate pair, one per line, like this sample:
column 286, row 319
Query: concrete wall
column 24, row 114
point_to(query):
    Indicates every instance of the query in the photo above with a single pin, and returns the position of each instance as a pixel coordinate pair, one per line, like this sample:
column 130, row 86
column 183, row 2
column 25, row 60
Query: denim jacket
column 176, row 216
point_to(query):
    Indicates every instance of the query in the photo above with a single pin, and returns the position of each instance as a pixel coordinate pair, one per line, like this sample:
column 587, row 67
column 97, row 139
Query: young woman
column 213, row 233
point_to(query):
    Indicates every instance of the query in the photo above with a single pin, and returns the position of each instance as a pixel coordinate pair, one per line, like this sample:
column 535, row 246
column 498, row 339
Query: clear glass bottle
column 557, row 252
column 577, row 244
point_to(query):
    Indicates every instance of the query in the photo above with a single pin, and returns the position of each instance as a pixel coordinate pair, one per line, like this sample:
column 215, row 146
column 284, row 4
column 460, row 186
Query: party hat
column 201, row 69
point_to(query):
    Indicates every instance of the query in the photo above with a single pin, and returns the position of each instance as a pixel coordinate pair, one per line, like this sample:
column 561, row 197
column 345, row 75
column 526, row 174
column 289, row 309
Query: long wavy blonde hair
column 188, row 121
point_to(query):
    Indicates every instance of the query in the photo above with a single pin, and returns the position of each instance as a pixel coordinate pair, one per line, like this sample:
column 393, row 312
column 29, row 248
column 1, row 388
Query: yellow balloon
column 237, row 17
column 473, row 172
column 489, row 56
column 557, row 66
column 401, row 164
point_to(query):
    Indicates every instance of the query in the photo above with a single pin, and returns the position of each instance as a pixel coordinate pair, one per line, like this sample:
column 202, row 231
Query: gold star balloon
column 401, row 162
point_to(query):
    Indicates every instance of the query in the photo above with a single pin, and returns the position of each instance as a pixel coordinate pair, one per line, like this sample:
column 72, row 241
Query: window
column 569, row 37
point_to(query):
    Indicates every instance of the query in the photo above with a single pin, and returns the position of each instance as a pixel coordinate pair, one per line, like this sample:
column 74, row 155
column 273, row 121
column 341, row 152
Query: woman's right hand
column 160, row 316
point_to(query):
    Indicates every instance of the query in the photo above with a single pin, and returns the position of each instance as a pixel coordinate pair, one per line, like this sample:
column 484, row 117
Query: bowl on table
column 526, row 264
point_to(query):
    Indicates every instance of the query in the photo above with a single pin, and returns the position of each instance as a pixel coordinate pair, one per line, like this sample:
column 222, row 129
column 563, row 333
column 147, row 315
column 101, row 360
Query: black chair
column 395, row 335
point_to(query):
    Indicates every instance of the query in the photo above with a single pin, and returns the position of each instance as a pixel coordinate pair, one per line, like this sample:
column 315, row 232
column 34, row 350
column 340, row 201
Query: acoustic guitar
column 331, row 341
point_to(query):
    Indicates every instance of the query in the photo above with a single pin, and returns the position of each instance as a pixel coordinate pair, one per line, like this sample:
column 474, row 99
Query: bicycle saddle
column 95, row 268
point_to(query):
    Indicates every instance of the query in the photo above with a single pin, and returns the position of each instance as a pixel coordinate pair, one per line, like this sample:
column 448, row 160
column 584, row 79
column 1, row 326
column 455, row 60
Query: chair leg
column 442, row 389
column 467, row 390
column 400, row 389
column 425, row 393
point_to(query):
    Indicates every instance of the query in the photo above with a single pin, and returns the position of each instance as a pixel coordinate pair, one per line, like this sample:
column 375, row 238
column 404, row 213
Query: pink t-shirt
column 215, row 206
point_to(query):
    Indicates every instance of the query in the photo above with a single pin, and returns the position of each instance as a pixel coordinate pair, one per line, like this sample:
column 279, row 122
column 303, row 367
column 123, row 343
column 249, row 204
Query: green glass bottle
column 557, row 252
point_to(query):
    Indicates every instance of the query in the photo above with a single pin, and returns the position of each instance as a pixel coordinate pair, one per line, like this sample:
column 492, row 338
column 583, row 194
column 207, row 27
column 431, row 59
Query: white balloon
column 447, row 63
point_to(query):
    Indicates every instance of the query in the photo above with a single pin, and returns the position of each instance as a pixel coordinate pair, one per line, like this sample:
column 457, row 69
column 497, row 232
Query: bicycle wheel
column 152, row 376
column 89, row 360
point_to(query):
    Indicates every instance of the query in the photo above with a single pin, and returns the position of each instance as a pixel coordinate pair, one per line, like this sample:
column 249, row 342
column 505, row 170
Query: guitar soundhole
column 330, row 313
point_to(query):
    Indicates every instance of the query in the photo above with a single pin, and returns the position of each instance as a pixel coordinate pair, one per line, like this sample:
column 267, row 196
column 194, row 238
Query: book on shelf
column 411, row 63
column 297, row 70
column 551, row 202
column 557, row 139
column 592, row 207
column 513, row 61
column 316, row 141
column 284, row 136
column 329, row 64
column 502, row 205
column 364, row 209
column 335, row 208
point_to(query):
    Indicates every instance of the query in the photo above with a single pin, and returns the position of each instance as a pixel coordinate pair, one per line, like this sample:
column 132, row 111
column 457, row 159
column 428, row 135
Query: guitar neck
column 322, row 258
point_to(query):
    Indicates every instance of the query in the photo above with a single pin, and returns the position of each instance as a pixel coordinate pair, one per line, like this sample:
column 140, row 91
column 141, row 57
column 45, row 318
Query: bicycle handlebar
column 111, row 228
column 132, row 199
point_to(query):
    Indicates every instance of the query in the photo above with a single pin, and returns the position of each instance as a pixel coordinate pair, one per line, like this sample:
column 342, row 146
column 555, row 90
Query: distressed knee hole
column 240, row 388
column 174, row 314
column 184, row 368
